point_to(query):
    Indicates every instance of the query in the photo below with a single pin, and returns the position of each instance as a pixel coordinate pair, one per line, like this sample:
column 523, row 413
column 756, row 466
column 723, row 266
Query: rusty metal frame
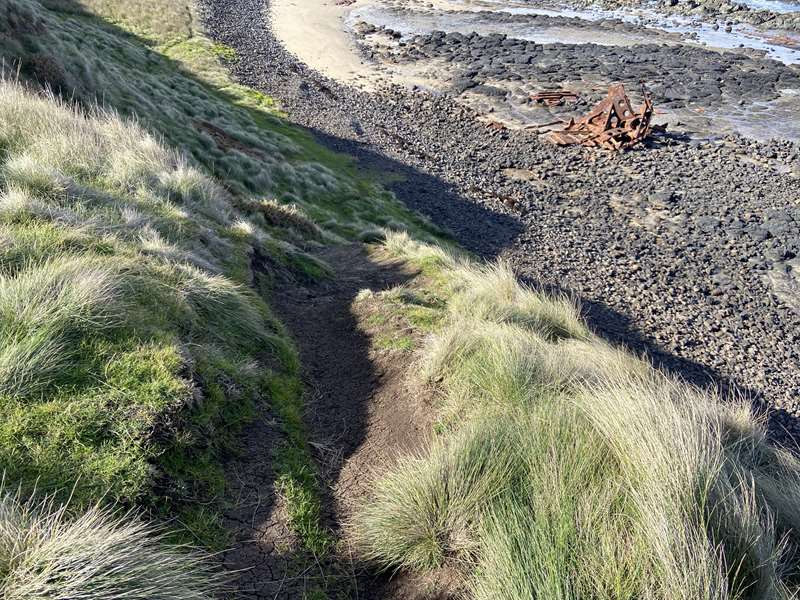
column 612, row 124
column 554, row 97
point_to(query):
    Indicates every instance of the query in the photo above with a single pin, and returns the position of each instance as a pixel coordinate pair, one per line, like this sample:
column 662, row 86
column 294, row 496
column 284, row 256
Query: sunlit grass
column 46, row 552
column 566, row 468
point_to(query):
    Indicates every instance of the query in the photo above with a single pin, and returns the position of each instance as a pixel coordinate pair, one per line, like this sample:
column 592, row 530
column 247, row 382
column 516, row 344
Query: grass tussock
column 279, row 215
column 570, row 469
column 44, row 310
column 46, row 553
column 127, row 334
column 136, row 257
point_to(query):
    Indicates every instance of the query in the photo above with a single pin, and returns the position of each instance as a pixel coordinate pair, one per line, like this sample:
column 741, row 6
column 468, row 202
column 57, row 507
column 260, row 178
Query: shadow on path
column 340, row 381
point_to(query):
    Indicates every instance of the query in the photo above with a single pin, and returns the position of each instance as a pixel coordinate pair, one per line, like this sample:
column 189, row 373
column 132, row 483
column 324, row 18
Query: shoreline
column 335, row 40
column 668, row 256
column 314, row 32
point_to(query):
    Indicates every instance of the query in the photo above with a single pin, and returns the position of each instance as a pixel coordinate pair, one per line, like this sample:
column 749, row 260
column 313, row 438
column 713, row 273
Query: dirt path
column 360, row 413
column 358, row 409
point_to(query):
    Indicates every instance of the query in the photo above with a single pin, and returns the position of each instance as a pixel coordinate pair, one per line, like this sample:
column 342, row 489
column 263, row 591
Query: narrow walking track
column 675, row 251
column 669, row 249
column 360, row 411
column 360, row 414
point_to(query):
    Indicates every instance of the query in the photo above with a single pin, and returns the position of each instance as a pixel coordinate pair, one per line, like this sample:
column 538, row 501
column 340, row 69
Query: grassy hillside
column 566, row 468
column 173, row 82
column 147, row 204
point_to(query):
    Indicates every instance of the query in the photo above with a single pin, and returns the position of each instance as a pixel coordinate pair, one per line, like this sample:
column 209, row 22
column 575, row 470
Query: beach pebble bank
column 686, row 249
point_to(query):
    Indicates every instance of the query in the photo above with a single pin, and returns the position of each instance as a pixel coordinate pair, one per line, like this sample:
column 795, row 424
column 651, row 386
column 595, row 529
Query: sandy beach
column 317, row 34
column 314, row 31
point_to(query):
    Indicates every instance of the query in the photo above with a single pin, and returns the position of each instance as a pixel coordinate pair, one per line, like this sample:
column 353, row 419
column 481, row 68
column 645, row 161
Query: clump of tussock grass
column 424, row 510
column 400, row 244
column 54, row 146
column 492, row 293
column 44, row 311
column 45, row 552
column 47, row 133
column 226, row 308
column 558, row 530
column 699, row 486
column 276, row 214
column 489, row 293
column 19, row 206
column 571, row 469
column 196, row 191
column 486, row 366
column 25, row 173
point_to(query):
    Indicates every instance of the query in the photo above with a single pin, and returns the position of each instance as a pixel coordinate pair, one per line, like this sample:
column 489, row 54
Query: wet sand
column 314, row 31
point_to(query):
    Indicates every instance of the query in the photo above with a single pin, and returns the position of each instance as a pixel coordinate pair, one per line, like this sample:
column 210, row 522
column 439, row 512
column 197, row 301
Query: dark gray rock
column 685, row 279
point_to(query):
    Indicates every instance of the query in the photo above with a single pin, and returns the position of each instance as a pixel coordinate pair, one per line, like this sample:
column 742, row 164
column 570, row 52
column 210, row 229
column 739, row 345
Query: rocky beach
column 400, row 299
column 685, row 248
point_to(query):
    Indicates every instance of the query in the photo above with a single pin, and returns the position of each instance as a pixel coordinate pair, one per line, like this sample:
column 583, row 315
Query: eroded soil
column 361, row 412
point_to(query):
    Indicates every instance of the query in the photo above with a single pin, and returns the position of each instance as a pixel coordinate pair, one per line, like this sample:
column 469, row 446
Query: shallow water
column 415, row 23
column 776, row 6
column 691, row 29
column 760, row 120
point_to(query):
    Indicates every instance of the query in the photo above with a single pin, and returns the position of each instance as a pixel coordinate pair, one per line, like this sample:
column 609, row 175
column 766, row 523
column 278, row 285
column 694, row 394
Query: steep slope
column 148, row 205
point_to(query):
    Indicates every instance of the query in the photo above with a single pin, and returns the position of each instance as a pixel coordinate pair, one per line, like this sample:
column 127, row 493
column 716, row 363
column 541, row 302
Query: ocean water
column 781, row 46
column 709, row 34
column 414, row 23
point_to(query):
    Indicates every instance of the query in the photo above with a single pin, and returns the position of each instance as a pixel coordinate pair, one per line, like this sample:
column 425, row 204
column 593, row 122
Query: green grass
column 423, row 318
column 154, row 21
column 295, row 469
column 224, row 52
column 396, row 319
column 136, row 335
column 402, row 343
column 44, row 553
column 565, row 468
column 117, row 311
column 136, row 338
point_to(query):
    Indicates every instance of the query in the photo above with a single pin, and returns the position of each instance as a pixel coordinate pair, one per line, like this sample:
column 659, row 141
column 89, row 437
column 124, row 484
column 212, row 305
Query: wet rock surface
column 676, row 75
column 674, row 249
column 727, row 12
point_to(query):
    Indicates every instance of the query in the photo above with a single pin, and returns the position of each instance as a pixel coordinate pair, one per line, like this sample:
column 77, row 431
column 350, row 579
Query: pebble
column 637, row 237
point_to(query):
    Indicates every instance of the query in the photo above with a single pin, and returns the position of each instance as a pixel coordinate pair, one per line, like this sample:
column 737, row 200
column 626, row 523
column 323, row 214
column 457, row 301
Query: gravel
column 685, row 249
